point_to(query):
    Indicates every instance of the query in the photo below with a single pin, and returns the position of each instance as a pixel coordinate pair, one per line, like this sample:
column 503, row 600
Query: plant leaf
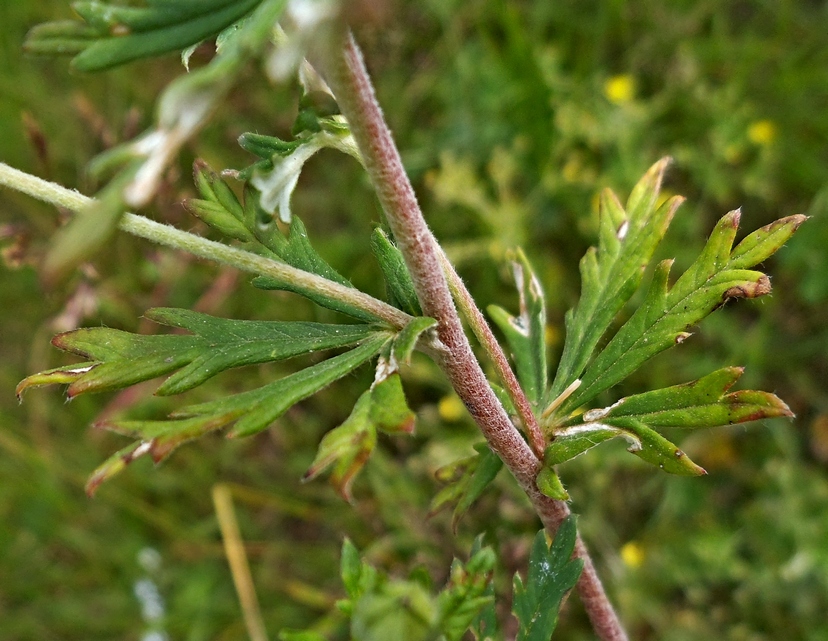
column 467, row 593
column 552, row 573
column 611, row 274
column 91, row 229
column 389, row 409
column 406, row 340
column 114, row 34
column 699, row 404
column 252, row 411
column 549, row 483
column 666, row 314
column 348, row 447
column 398, row 281
column 467, row 480
column 258, row 408
column 118, row 359
column 526, row 333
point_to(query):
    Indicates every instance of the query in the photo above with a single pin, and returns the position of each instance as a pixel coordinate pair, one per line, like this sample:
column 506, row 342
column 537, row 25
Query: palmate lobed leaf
column 552, row 573
column 611, row 273
column 699, row 404
column 118, row 359
column 667, row 313
column 251, row 411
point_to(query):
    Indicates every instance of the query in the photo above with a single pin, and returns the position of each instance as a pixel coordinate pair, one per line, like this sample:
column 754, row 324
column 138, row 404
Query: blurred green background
column 511, row 117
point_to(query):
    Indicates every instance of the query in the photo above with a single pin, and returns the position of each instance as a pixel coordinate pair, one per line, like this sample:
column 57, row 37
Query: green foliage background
column 511, row 117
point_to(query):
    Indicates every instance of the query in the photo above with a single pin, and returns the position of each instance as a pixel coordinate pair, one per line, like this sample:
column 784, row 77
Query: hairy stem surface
column 204, row 248
column 348, row 77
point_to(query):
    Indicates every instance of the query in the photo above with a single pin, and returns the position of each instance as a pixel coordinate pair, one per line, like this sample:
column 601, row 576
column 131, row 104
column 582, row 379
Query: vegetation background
column 511, row 117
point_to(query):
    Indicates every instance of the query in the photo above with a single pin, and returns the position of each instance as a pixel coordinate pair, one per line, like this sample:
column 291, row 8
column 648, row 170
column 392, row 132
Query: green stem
column 203, row 248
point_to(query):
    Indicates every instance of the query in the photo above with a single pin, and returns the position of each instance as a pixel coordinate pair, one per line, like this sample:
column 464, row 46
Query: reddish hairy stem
column 477, row 323
column 347, row 75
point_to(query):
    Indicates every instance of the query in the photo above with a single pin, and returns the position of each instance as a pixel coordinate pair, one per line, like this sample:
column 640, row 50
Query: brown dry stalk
column 346, row 73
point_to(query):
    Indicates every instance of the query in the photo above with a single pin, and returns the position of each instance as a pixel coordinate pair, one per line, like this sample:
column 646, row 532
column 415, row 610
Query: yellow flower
column 762, row 132
column 620, row 89
column 450, row 408
column 632, row 554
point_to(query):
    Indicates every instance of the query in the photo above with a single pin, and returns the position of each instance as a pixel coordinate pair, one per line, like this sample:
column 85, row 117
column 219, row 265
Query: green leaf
column 467, row 593
column 348, row 447
column 552, row 573
column 389, row 410
column 611, row 274
column 466, row 481
column 699, row 404
column 406, row 339
column 63, row 37
column 398, row 281
column 114, row 34
column 526, row 333
column 549, row 483
column 652, row 447
column 667, row 313
column 252, row 411
column 162, row 437
column 400, row 610
column 114, row 465
column 219, row 206
column 359, row 577
column 118, row 359
column 258, row 408
column 568, row 443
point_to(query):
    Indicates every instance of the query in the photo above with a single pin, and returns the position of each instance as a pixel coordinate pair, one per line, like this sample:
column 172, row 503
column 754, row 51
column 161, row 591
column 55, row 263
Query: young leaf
column 359, row 577
column 699, row 404
column 467, row 479
column 348, row 447
column 398, row 281
column 118, row 359
column 389, row 410
column 406, row 340
column 276, row 175
column 667, row 313
column 526, row 333
column 549, row 483
column 467, row 594
column 218, row 206
column 552, row 573
column 611, row 274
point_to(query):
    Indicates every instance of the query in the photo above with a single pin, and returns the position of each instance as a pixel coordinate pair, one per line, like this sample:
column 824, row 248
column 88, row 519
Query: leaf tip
column 732, row 218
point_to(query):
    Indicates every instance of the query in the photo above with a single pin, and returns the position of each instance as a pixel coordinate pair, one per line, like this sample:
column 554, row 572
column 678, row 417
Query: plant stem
column 477, row 322
column 348, row 77
column 204, row 248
